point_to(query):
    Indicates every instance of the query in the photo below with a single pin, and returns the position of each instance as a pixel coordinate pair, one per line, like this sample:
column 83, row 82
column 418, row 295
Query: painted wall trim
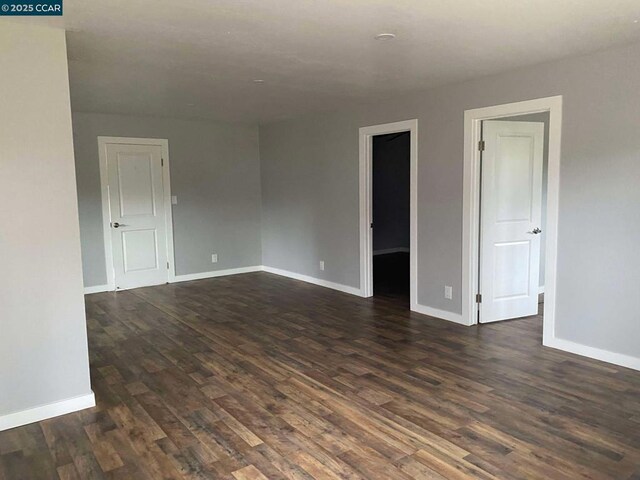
column 316, row 281
column 592, row 352
column 216, row 273
column 44, row 412
column 96, row 289
column 386, row 251
column 437, row 313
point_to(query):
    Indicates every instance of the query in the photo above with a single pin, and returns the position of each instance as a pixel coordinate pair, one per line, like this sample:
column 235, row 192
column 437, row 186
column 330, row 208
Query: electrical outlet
column 321, row 264
column 214, row 258
column 448, row 292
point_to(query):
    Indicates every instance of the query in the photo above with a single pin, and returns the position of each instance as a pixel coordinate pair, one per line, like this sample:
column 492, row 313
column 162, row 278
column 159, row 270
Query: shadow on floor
column 391, row 277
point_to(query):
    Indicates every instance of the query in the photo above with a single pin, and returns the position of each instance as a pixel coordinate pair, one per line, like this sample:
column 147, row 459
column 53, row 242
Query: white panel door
column 510, row 223
column 138, row 223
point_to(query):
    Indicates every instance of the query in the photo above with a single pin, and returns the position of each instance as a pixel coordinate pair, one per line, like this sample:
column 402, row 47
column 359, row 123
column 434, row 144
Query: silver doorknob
column 535, row 231
column 117, row 225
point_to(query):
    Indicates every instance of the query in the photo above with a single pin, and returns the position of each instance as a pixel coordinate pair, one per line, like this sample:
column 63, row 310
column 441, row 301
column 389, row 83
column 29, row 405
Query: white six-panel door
column 510, row 222
column 137, row 211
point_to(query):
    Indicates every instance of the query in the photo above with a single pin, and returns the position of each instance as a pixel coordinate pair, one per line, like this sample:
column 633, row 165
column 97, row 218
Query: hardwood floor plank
column 249, row 473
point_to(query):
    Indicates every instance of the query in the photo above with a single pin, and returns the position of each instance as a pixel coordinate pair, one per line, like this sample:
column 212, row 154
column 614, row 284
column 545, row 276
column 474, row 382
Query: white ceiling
column 154, row 57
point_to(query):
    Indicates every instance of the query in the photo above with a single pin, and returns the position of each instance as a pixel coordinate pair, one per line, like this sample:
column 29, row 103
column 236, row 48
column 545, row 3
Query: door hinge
column 167, row 265
column 371, row 226
column 478, row 298
column 162, row 162
column 481, row 145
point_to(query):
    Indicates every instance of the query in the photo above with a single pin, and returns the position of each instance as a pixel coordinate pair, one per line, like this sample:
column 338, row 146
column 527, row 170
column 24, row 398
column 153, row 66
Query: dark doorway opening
column 391, row 216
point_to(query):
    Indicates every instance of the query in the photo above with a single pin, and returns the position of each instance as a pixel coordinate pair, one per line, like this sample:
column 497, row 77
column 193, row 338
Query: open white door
column 138, row 220
column 510, row 222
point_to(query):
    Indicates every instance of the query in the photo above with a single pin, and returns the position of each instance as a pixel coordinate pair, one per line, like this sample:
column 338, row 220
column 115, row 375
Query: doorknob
column 117, row 225
column 535, row 231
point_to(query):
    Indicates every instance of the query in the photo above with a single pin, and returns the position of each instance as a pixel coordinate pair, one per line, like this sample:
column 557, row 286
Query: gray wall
column 215, row 173
column 310, row 190
column 43, row 338
column 391, row 191
column 542, row 118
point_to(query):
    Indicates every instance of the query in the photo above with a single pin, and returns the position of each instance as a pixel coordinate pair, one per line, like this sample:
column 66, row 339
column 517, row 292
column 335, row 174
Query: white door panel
column 511, row 270
column 511, row 210
column 138, row 223
column 135, row 179
column 140, row 250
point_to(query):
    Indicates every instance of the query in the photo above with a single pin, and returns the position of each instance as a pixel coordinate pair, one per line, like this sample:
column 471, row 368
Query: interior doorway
column 391, row 173
column 136, row 211
column 371, row 138
column 511, row 205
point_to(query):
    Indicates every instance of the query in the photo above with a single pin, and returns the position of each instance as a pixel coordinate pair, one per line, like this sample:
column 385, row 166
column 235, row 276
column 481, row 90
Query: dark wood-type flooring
column 257, row 376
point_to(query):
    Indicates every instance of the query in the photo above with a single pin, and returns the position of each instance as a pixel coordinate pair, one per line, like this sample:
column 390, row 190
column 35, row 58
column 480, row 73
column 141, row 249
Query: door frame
column 366, row 135
column 471, row 202
column 106, row 205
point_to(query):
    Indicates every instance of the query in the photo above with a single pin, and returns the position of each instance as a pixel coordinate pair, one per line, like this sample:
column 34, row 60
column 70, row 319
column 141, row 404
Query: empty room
column 330, row 239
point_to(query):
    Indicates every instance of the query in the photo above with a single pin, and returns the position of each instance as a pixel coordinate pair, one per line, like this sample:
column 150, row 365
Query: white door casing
column 136, row 212
column 366, row 135
column 510, row 219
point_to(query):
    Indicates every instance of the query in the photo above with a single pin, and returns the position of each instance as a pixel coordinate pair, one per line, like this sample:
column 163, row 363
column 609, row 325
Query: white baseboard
column 316, row 281
column 436, row 313
column 216, row 273
column 187, row 278
column 606, row 356
column 96, row 289
column 386, row 251
column 44, row 412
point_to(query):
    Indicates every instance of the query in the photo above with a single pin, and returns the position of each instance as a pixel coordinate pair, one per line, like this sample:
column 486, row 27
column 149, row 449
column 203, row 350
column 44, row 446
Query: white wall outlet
column 174, row 199
column 214, row 258
column 448, row 292
column 321, row 264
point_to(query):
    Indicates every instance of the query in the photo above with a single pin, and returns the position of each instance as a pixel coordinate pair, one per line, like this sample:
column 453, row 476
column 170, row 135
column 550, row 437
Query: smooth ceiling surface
column 199, row 58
